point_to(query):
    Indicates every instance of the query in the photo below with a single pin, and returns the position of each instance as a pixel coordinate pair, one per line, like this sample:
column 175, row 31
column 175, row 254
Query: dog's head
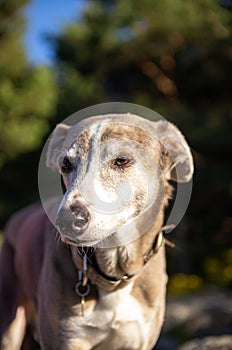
column 115, row 169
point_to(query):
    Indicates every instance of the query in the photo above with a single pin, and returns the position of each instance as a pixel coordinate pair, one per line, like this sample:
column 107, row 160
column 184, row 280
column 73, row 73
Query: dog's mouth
column 74, row 233
column 77, row 242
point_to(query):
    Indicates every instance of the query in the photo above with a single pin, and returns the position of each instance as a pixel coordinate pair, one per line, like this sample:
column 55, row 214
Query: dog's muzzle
column 73, row 220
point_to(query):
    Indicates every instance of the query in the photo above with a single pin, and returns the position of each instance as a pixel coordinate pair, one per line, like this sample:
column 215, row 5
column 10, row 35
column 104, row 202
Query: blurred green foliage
column 172, row 56
column 27, row 94
column 180, row 284
column 219, row 268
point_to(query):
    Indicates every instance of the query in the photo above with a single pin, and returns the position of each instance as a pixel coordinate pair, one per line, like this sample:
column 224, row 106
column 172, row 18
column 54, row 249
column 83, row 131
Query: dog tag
column 82, row 291
column 82, row 306
column 82, row 287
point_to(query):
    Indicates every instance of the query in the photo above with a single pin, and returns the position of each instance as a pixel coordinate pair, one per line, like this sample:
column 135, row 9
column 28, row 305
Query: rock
column 205, row 313
column 209, row 343
column 201, row 317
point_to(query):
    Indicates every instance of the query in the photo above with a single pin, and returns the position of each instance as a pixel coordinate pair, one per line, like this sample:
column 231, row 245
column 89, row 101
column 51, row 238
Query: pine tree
column 172, row 56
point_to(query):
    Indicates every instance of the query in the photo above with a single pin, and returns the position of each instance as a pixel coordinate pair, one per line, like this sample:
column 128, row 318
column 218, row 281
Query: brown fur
column 136, row 134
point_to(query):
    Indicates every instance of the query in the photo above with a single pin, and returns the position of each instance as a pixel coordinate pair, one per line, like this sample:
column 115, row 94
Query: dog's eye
column 66, row 166
column 122, row 162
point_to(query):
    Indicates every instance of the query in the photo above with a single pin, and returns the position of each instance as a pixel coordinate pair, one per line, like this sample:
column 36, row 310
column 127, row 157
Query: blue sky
column 47, row 16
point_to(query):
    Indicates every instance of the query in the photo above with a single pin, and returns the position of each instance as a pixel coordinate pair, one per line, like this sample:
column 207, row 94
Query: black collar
column 91, row 257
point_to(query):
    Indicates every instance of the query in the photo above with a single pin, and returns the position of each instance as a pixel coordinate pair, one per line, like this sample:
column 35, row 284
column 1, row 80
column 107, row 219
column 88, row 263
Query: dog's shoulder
column 26, row 223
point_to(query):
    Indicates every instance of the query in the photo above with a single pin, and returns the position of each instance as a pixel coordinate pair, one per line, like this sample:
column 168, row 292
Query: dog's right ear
column 55, row 146
column 177, row 151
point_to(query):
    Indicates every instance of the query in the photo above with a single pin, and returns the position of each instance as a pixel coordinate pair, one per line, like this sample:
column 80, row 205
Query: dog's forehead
column 112, row 127
column 128, row 132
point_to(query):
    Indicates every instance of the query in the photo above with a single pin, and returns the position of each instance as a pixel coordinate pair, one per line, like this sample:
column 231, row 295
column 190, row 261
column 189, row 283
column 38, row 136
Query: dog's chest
column 117, row 318
column 120, row 306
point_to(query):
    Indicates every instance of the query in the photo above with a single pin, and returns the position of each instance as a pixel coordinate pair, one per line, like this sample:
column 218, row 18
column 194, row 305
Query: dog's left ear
column 55, row 146
column 177, row 150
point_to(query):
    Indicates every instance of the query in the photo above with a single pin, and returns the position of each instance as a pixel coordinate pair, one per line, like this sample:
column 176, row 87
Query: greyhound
column 96, row 277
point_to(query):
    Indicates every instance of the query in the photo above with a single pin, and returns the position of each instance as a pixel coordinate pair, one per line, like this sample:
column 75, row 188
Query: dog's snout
column 81, row 215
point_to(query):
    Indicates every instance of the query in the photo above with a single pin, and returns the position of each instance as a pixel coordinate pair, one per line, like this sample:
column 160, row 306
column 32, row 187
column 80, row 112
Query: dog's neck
column 127, row 259
column 118, row 263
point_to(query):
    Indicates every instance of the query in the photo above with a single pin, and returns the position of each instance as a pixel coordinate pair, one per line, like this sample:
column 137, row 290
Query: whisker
column 88, row 251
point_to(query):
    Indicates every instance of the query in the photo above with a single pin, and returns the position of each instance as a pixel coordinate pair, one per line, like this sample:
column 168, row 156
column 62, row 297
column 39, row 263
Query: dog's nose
column 81, row 215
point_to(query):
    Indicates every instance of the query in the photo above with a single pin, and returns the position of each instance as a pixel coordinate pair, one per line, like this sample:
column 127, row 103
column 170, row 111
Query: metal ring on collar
column 82, row 290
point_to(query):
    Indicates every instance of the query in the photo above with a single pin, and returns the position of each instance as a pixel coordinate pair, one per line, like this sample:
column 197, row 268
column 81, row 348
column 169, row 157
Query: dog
column 96, row 277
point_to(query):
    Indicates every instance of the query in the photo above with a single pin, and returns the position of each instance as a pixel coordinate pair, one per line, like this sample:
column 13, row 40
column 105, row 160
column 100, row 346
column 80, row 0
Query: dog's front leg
column 12, row 315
